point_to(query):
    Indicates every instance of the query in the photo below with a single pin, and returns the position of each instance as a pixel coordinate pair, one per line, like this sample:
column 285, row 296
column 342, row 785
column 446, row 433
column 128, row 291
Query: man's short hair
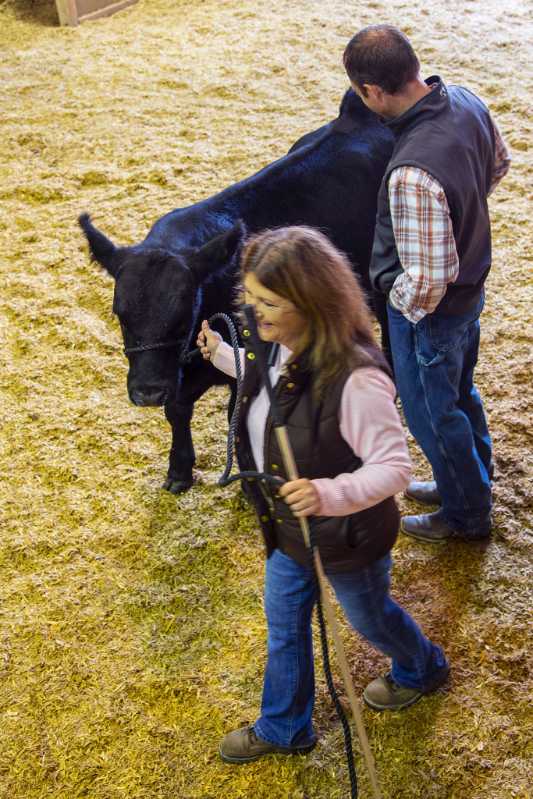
column 381, row 55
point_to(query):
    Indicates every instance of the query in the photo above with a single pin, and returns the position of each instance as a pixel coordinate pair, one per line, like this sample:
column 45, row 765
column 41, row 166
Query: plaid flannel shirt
column 424, row 235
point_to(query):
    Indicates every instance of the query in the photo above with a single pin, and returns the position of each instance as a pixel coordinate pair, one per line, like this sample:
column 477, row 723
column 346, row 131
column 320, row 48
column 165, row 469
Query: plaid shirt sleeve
column 502, row 158
column 424, row 239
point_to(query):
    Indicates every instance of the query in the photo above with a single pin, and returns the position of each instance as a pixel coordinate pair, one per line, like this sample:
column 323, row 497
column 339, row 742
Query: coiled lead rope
column 224, row 478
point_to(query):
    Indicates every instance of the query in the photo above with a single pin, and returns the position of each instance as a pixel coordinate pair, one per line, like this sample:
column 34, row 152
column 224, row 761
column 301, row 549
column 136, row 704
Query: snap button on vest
column 290, row 385
column 250, row 356
column 246, row 332
column 274, row 466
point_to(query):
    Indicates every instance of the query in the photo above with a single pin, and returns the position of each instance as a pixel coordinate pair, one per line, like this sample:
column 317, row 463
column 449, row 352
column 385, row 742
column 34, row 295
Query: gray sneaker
column 243, row 746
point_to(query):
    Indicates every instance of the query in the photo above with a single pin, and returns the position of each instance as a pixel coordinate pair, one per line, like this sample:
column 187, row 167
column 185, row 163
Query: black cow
column 185, row 270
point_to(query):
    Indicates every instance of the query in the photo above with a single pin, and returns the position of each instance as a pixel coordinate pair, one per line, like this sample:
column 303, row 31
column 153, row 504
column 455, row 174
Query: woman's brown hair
column 302, row 265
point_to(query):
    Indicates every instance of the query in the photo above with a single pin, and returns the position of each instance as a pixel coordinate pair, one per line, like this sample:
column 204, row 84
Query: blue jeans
column 289, row 686
column 434, row 363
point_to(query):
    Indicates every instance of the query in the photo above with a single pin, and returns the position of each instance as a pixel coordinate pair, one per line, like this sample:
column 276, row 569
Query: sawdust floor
column 132, row 634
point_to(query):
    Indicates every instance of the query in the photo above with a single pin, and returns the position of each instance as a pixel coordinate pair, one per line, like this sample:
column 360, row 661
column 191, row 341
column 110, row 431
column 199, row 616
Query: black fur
column 185, row 269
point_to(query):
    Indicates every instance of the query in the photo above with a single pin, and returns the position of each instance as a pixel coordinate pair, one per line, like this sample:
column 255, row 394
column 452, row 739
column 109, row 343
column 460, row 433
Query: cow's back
column 329, row 180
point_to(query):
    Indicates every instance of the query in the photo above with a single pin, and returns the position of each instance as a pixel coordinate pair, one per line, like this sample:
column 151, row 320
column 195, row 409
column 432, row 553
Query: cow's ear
column 102, row 249
column 218, row 251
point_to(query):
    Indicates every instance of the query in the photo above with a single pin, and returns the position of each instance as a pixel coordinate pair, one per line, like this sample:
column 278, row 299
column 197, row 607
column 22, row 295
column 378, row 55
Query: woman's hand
column 301, row 496
column 208, row 341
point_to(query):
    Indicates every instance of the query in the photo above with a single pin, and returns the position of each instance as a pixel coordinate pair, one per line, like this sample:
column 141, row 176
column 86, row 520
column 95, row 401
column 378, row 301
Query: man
column 431, row 256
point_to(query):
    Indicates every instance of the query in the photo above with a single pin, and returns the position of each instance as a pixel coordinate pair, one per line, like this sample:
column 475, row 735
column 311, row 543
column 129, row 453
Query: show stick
column 292, row 472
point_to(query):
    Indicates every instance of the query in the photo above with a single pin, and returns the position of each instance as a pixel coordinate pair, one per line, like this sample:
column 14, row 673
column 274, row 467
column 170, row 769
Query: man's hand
column 301, row 496
column 208, row 341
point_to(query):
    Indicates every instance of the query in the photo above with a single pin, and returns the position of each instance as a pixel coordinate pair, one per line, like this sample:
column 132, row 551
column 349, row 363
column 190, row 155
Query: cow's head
column 157, row 301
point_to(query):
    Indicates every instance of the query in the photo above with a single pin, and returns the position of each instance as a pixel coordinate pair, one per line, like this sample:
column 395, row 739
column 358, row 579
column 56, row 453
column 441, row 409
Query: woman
column 337, row 400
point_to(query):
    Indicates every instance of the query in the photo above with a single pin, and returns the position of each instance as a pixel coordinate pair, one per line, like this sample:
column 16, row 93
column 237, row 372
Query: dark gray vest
column 448, row 134
column 345, row 543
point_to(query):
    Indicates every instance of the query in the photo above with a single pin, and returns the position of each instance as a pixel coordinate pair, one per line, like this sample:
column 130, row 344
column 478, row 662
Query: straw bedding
column 132, row 635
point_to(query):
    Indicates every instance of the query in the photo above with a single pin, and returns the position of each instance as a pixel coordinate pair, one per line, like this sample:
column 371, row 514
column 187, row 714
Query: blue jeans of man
column 289, row 686
column 434, row 363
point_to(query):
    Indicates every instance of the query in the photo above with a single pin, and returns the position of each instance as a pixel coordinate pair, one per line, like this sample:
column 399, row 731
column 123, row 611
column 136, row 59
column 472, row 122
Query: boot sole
column 250, row 758
column 439, row 683
column 426, row 540
column 408, row 703
column 453, row 537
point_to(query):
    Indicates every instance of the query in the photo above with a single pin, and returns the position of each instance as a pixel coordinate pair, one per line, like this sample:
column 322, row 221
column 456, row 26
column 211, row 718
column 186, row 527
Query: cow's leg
column 197, row 379
column 181, row 459
column 379, row 306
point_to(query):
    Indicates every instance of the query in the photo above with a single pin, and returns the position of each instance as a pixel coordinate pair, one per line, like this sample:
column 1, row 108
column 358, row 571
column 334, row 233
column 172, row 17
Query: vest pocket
column 354, row 532
column 373, row 526
column 334, row 535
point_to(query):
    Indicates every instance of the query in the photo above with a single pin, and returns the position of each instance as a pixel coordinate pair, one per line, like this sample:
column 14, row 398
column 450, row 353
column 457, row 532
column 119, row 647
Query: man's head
column 382, row 66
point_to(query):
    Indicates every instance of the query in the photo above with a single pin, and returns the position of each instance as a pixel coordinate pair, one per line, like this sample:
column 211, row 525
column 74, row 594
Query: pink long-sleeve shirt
column 369, row 423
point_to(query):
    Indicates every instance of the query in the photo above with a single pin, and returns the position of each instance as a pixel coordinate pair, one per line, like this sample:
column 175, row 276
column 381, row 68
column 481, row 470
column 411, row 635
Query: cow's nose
column 146, row 399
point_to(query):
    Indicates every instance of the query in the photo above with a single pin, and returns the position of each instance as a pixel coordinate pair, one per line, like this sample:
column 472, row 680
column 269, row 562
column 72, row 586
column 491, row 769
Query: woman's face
column 277, row 318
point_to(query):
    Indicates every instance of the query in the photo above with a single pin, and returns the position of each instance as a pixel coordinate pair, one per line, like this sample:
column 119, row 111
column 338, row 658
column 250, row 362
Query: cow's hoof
column 177, row 486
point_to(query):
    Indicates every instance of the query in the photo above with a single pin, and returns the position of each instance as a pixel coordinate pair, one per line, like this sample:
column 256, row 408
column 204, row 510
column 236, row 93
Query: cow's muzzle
column 148, row 399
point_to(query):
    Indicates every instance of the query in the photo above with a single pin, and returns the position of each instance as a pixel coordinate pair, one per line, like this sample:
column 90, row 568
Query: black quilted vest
column 347, row 542
column 449, row 134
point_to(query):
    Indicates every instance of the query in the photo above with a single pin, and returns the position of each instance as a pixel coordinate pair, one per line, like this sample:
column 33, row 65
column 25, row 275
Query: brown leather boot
column 385, row 694
column 243, row 746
